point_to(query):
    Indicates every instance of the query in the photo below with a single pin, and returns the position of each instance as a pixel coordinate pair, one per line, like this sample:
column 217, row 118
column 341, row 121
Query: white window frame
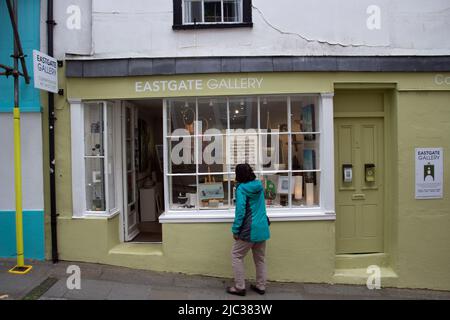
column 326, row 208
column 240, row 18
column 78, row 160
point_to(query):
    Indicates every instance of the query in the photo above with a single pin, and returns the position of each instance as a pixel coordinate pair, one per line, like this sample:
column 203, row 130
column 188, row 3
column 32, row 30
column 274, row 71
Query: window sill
column 100, row 215
column 201, row 217
column 212, row 26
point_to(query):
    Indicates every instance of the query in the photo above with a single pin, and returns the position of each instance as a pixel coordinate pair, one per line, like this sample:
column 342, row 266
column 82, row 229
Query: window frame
column 77, row 109
column 324, row 211
column 179, row 22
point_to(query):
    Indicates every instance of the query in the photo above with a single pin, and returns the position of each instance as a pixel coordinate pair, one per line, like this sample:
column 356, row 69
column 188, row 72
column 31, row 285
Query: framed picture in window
column 283, row 185
column 208, row 191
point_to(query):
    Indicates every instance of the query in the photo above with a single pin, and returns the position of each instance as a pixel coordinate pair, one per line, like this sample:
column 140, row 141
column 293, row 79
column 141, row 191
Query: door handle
column 358, row 196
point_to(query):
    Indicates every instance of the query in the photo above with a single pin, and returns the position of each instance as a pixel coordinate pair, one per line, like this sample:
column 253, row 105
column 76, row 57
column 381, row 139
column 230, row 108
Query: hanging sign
column 429, row 173
column 45, row 72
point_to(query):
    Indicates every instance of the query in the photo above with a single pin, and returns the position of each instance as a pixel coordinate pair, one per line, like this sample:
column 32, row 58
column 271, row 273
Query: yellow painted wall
column 418, row 239
column 423, row 225
column 298, row 251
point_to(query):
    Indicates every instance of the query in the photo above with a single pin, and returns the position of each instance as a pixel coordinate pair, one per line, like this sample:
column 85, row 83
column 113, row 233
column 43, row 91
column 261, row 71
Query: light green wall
column 423, row 225
column 418, row 237
column 298, row 251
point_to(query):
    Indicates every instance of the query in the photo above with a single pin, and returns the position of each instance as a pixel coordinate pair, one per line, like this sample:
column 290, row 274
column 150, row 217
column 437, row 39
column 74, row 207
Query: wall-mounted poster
column 429, row 173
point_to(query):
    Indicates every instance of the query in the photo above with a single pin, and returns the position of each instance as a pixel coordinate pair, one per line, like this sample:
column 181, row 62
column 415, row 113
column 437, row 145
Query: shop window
column 192, row 14
column 99, row 158
column 279, row 136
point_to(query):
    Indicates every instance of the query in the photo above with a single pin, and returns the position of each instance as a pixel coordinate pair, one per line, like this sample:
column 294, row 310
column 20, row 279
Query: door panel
column 359, row 203
column 130, row 214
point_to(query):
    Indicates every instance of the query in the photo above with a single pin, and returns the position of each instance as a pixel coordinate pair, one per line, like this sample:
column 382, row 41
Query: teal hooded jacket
column 250, row 222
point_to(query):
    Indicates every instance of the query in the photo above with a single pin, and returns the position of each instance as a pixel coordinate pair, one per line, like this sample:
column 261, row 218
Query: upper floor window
column 192, row 14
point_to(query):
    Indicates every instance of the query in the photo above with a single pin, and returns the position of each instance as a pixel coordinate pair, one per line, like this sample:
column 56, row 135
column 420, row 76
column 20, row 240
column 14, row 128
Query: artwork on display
column 270, row 191
column 242, row 150
column 209, row 191
column 309, row 125
column 309, row 159
column 309, row 163
column 283, row 185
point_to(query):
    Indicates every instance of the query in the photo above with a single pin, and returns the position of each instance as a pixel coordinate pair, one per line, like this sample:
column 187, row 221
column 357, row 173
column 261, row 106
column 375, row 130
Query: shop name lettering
column 198, row 84
column 46, row 65
column 428, row 155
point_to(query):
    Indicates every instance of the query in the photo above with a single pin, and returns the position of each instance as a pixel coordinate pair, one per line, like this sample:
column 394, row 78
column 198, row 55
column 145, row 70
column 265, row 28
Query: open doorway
column 142, row 138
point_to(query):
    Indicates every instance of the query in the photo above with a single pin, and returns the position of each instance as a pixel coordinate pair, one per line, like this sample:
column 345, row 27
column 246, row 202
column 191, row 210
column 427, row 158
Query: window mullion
column 222, row 14
column 289, row 149
column 203, row 11
column 105, row 156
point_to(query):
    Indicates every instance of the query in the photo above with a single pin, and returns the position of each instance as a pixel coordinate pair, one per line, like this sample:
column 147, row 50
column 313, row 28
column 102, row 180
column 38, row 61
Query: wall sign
column 45, row 72
column 198, row 84
column 429, row 173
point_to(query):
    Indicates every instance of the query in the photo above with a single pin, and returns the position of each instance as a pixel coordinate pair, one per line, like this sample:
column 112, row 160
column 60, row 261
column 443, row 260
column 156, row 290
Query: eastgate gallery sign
column 199, row 84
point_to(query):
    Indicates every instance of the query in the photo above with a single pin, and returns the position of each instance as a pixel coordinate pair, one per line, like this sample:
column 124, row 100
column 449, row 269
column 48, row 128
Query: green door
column 359, row 157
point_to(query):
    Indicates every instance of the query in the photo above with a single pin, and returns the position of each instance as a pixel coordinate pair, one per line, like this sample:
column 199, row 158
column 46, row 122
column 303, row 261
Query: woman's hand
column 235, row 237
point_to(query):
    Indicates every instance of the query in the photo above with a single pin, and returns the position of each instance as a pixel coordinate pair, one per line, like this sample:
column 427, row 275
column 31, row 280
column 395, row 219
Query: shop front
column 147, row 171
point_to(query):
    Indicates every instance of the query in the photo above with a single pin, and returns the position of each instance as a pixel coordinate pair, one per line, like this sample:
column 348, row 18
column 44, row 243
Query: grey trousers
column 238, row 253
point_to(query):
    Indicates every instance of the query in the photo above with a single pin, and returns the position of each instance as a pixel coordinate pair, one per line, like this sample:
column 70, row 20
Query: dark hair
column 244, row 173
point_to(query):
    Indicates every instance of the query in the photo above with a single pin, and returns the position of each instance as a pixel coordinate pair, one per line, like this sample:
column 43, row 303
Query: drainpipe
column 51, row 122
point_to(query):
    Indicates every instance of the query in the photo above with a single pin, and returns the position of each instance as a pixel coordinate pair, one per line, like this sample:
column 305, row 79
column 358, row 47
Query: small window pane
column 232, row 10
column 277, row 189
column 181, row 155
column 213, row 192
column 304, row 114
column 93, row 129
column 243, row 149
column 212, row 116
column 305, row 152
column 111, row 148
column 130, row 188
column 212, row 155
column 193, row 11
column 213, row 11
column 95, row 187
column 181, row 117
column 274, row 152
column 306, row 189
column 273, row 114
column 243, row 113
column 183, row 192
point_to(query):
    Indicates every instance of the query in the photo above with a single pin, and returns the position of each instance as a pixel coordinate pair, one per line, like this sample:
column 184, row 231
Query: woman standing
column 250, row 230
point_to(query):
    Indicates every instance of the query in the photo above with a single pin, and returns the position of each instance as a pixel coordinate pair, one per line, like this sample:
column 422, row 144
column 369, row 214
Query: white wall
column 31, row 147
column 142, row 28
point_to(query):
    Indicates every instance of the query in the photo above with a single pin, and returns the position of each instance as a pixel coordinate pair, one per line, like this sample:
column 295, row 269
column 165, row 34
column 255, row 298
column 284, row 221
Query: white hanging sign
column 45, row 72
column 429, row 173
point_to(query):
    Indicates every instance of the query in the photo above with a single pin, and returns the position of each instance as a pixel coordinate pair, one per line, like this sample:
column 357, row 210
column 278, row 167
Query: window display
column 99, row 161
column 278, row 136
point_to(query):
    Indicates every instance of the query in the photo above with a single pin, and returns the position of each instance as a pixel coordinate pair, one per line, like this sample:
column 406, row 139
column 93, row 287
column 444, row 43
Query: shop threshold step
column 146, row 249
column 360, row 276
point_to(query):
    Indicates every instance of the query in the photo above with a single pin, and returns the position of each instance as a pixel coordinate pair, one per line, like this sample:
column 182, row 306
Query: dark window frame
column 178, row 18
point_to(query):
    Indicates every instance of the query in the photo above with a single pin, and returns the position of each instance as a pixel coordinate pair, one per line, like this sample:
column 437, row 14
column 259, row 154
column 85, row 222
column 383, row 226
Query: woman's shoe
column 235, row 291
column 256, row 289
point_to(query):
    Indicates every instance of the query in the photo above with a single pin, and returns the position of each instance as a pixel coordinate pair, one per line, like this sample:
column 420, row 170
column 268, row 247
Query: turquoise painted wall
column 28, row 16
column 33, row 230
column 29, row 101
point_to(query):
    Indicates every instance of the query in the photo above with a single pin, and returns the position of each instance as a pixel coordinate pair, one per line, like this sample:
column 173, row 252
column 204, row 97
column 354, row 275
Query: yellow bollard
column 20, row 268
